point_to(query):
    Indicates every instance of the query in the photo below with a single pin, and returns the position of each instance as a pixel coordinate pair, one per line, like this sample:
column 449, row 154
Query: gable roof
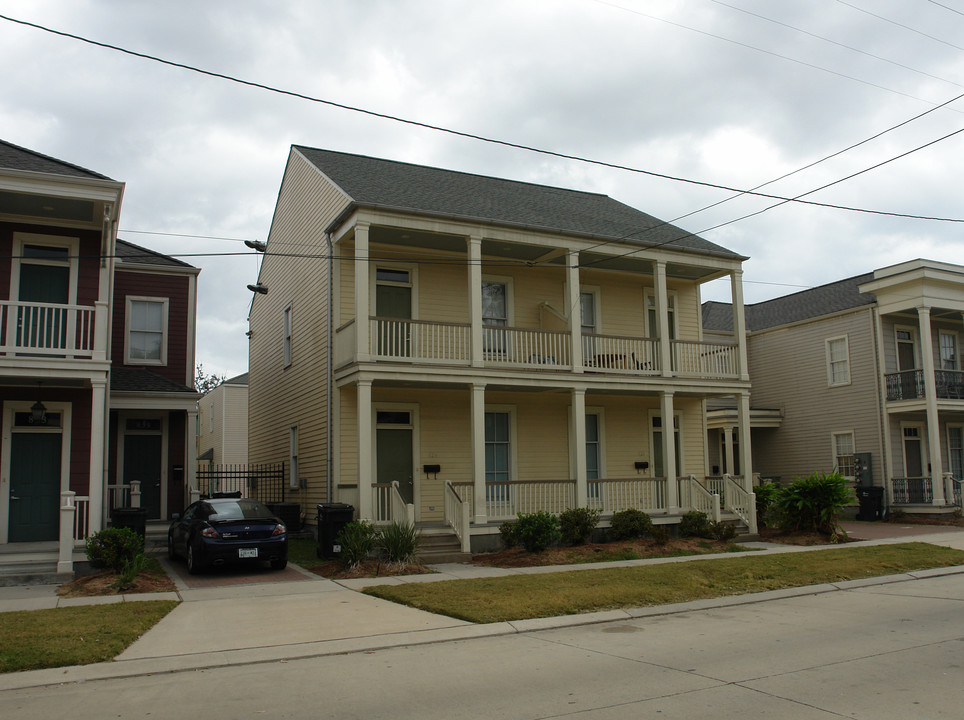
column 804, row 305
column 130, row 253
column 14, row 157
column 404, row 187
column 130, row 379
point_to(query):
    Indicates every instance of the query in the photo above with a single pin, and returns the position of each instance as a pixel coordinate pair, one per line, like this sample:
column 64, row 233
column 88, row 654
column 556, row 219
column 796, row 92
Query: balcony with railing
column 52, row 330
column 438, row 343
column 909, row 385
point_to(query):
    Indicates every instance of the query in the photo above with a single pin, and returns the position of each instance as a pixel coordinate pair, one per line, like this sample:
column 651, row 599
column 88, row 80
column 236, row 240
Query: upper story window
column 146, row 331
column 44, row 269
column 286, row 337
column 906, row 348
column 838, row 361
column 652, row 319
column 948, row 347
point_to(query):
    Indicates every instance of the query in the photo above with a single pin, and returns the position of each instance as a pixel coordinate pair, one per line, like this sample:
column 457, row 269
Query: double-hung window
column 843, row 453
column 838, row 361
column 146, row 331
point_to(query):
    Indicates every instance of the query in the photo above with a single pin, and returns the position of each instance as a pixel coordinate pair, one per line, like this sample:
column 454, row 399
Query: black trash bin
column 134, row 518
column 871, row 501
column 332, row 517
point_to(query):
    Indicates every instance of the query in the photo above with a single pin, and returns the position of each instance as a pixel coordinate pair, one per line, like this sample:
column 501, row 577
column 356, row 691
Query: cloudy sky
column 734, row 93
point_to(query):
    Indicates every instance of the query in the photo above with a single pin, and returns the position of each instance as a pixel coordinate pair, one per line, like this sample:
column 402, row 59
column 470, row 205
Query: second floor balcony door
column 495, row 315
column 44, row 278
column 393, row 307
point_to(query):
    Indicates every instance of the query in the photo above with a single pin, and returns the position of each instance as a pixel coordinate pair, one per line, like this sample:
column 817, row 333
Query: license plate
column 247, row 553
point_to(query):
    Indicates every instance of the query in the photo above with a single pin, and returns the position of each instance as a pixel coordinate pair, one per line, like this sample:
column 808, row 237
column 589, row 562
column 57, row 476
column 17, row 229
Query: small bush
column 660, row 535
column 130, row 571
column 399, row 542
column 113, row 548
column 576, row 525
column 722, row 531
column 509, row 533
column 813, row 503
column 695, row 524
column 766, row 495
column 538, row 530
column 357, row 539
column 630, row 524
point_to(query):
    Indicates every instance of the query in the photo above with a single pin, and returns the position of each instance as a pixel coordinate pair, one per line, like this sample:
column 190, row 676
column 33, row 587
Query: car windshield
column 238, row 509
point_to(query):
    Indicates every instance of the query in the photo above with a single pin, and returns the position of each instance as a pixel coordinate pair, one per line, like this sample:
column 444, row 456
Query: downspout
column 329, row 372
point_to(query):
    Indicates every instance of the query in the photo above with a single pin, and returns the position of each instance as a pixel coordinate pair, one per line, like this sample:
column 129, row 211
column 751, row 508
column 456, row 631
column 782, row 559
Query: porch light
column 38, row 413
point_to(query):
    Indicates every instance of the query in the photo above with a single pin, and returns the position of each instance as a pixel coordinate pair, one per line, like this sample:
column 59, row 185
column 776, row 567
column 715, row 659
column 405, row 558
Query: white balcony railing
column 704, row 359
column 520, row 347
column 48, row 329
column 612, row 353
column 417, row 340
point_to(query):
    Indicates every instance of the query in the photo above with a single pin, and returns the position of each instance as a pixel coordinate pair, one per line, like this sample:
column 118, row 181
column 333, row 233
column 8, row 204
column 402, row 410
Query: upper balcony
column 52, row 331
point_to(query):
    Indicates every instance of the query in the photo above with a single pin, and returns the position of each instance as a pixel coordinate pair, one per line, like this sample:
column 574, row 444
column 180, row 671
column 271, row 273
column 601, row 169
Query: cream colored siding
column 210, row 426
column 687, row 311
column 788, row 369
column 281, row 397
column 235, row 422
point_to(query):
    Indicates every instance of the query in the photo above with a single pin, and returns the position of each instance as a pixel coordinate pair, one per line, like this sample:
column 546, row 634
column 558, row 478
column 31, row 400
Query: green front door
column 34, row 486
column 142, row 462
column 394, row 460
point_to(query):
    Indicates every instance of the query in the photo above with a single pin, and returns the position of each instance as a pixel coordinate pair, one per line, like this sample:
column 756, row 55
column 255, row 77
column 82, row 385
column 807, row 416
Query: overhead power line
column 468, row 135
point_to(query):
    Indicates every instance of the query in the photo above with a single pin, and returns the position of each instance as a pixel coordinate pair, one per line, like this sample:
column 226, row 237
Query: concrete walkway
column 309, row 616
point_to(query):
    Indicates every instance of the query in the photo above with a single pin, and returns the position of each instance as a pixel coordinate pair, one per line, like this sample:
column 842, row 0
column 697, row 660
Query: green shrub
column 660, row 535
column 399, row 542
column 357, row 539
column 509, row 533
column 113, row 548
column 813, row 503
column 766, row 495
column 695, row 524
column 130, row 571
column 538, row 530
column 630, row 524
column 576, row 525
column 722, row 531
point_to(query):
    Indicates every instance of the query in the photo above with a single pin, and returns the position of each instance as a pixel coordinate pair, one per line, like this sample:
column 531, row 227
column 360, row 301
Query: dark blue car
column 222, row 530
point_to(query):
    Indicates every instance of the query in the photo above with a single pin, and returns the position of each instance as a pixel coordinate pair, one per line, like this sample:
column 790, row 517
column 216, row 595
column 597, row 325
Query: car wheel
column 193, row 565
column 171, row 555
column 279, row 563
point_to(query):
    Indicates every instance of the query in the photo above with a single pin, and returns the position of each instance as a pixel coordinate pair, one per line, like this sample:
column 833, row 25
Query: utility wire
column 906, row 27
column 946, row 7
column 468, row 135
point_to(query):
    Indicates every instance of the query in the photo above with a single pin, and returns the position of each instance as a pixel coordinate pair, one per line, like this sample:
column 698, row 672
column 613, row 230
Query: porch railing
column 389, row 506
column 505, row 500
column 615, row 494
column 81, row 518
column 740, row 502
column 457, row 516
column 47, row 329
column 118, row 496
column 520, row 347
column 614, row 353
column 704, row 359
column 909, row 385
column 419, row 340
column 912, row 490
column 694, row 495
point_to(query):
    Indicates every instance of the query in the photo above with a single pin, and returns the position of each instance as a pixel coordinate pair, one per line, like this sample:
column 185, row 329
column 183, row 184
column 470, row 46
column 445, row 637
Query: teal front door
column 142, row 463
column 34, row 486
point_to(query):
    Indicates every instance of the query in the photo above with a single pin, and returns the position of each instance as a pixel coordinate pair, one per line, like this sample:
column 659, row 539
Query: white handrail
column 457, row 516
column 741, row 502
column 703, row 500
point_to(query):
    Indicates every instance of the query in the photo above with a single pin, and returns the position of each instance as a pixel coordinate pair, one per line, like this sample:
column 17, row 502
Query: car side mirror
column 176, row 516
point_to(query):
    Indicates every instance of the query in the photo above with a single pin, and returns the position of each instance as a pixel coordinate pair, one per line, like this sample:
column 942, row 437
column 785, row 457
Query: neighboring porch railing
column 118, row 496
column 505, row 500
column 619, row 354
column 520, row 347
column 612, row 495
column 457, row 516
column 704, row 359
column 909, row 385
column 47, row 329
column 740, row 502
column 81, row 518
column 693, row 495
column 912, row 490
column 389, row 506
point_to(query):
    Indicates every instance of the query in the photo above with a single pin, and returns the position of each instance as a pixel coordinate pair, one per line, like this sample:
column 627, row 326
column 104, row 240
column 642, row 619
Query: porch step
column 441, row 546
column 31, row 572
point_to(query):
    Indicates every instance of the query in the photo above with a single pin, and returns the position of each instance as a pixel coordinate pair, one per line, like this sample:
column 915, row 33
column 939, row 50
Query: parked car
column 220, row 530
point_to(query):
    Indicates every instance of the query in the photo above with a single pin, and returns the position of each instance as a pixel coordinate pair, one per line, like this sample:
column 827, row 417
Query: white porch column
column 930, row 396
column 135, row 498
column 728, row 444
column 362, row 305
column 478, row 453
column 668, row 418
column 739, row 322
column 98, row 440
column 746, row 455
column 475, row 299
column 578, row 434
column 365, row 465
column 574, row 307
column 662, row 315
column 65, row 555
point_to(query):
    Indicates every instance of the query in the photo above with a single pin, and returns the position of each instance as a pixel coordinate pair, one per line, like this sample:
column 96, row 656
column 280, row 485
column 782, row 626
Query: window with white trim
column 286, row 337
column 652, row 319
column 948, row 347
column 146, row 331
column 838, row 361
column 843, row 453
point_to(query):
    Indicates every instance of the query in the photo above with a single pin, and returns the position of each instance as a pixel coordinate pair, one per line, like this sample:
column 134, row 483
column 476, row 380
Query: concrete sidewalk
column 246, row 624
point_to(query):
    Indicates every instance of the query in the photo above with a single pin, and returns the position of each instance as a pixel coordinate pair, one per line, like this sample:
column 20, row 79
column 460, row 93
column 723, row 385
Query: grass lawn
column 35, row 639
column 303, row 552
column 487, row 600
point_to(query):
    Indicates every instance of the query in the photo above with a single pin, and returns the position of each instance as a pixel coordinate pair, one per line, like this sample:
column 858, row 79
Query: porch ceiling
column 46, row 207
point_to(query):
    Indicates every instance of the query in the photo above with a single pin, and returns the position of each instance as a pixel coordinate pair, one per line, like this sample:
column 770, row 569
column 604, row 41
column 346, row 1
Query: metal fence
column 265, row 482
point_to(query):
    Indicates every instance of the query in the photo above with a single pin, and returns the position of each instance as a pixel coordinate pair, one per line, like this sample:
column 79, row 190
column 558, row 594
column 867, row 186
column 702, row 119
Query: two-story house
column 453, row 349
column 96, row 356
column 222, row 437
column 868, row 368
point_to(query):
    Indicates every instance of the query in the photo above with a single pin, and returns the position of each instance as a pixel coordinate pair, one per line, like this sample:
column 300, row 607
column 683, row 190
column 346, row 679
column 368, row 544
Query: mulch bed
column 102, row 584
column 640, row 548
column 334, row 570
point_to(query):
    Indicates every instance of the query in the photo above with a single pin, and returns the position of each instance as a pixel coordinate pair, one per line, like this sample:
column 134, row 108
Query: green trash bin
column 332, row 518
column 134, row 518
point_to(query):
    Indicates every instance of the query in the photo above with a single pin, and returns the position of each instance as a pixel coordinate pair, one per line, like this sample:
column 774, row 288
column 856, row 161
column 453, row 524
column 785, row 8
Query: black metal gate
column 264, row 482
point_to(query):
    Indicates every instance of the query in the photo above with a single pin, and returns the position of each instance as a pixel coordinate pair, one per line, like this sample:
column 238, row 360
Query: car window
column 190, row 513
column 237, row 509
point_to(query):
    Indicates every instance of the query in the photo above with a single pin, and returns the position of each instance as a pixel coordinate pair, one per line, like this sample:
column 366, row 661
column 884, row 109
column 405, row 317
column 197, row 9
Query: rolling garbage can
column 871, row 501
column 332, row 518
column 134, row 518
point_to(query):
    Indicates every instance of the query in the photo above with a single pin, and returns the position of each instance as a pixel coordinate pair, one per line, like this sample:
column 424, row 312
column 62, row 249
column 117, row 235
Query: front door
column 34, row 486
column 142, row 463
column 394, row 459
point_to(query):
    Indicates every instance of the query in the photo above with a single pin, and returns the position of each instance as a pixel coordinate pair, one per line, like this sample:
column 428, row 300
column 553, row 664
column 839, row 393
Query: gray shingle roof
column 373, row 182
column 823, row 300
column 14, row 157
column 129, row 252
column 241, row 379
column 126, row 379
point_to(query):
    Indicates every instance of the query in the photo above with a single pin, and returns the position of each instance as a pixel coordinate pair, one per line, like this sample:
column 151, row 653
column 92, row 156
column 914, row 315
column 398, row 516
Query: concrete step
column 32, row 572
column 439, row 547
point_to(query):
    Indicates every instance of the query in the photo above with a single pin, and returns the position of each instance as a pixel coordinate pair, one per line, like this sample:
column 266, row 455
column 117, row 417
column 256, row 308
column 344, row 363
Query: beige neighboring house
column 452, row 349
column 223, row 423
column 865, row 367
